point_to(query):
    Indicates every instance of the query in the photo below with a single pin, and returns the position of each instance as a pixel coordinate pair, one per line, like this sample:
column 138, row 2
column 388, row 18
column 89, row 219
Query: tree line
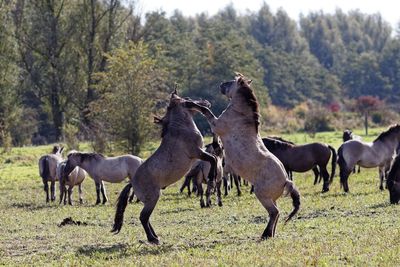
column 96, row 70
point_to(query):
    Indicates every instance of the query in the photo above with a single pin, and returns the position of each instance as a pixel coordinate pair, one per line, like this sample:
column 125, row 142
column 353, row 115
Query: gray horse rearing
column 101, row 168
column 245, row 152
column 180, row 147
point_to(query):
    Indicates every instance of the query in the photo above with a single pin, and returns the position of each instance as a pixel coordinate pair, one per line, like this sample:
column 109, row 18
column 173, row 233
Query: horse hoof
column 154, row 241
column 239, row 194
column 220, row 204
column 324, row 190
column 381, row 188
column 202, row 204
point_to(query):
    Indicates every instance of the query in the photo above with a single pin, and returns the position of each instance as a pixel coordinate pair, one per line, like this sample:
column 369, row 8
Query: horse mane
column 248, row 95
column 389, row 131
column 90, row 156
column 281, row 139
column 273, row 144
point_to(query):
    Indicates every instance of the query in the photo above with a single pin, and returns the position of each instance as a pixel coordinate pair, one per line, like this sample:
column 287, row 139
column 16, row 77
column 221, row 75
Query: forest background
column 97, row 70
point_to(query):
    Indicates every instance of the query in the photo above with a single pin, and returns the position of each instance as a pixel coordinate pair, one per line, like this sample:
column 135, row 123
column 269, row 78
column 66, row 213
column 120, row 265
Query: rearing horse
column 379, row 153
column 245, row 152
column 180, row 147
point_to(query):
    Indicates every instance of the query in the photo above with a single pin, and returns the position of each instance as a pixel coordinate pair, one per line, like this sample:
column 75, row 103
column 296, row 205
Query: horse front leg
column 98, row 186
column 103, row 192
column 70, row 195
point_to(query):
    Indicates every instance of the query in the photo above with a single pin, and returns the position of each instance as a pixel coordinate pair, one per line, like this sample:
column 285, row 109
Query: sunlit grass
column 359, row 228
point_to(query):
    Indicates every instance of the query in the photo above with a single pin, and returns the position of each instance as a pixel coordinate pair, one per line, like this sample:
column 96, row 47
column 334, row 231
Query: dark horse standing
column 180, row 147
column 302, row 158
column 393, row 181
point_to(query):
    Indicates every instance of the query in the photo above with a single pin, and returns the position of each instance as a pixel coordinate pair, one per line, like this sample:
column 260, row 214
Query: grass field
column 359, row 228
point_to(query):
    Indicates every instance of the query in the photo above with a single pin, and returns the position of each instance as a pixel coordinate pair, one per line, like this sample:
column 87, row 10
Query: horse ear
column 249, row 82
column 61, row 150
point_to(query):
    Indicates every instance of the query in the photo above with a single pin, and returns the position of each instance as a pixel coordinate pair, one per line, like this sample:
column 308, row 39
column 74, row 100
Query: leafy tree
column 365, row 104
column 130, row 88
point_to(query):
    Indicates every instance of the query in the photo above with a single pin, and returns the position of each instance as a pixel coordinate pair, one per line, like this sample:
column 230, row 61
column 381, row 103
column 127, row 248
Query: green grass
column 359, row 228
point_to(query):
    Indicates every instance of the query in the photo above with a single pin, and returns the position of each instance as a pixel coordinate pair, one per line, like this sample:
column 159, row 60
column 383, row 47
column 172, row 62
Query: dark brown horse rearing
column 180, row 147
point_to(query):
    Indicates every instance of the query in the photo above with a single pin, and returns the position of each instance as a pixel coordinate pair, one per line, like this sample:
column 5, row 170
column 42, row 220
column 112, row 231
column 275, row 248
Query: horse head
column 393, row 181
column 230, row 88
column 347, row 135
column 74, row 159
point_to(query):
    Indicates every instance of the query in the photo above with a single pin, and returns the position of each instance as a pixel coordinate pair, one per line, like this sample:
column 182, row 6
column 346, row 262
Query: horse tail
column 295, row 195
column 121, row 205
column 44, row 168
column 334, row 159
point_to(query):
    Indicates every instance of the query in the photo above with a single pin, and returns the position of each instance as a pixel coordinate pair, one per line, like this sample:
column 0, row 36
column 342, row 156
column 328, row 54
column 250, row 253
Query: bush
column 318, row 119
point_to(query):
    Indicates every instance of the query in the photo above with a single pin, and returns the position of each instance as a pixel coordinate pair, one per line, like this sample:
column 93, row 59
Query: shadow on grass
column 31, row 206
column 89, row 250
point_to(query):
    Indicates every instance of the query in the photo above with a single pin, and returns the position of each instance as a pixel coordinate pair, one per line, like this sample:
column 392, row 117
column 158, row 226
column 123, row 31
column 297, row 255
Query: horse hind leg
column 273, row 212
column 80, row 193
column 325, row 175
column 316, row 175
column 145, row 214
column 53, row 190
column 219, row 193
column 237, row 184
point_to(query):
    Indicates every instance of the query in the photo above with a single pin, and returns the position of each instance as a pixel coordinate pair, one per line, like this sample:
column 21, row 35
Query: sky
column 389, row 9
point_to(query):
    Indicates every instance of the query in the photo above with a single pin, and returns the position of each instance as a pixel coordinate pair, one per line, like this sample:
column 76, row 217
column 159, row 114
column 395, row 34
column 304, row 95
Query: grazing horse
column 245, row 152
column 302, row 158
column 101, row 168
column 289, row 172
column 47, row 170
column 76, row 177
column 349, row 135
column 393, row 180
column 379, row 153
column 180, row 147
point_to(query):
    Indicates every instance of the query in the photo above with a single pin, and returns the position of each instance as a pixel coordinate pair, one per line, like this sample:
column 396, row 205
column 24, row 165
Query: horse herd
column 236, row 150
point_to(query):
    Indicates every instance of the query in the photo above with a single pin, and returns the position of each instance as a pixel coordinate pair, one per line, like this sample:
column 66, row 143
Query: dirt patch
column 70, row 221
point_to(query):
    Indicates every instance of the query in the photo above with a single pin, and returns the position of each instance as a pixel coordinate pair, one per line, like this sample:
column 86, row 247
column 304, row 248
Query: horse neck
column 390, row 143
column 178, row 120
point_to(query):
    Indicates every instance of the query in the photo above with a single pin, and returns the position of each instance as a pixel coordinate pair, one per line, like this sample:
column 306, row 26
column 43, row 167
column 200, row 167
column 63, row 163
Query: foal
column 76, row 177
column 245, row 152
column 180, row 147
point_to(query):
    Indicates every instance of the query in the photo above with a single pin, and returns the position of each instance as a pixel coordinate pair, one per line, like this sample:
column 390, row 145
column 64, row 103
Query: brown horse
column 379, row 153
column 180, row 147
column 245, row 152
column 302, row 158
column 314, row 169
column 47, row 170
